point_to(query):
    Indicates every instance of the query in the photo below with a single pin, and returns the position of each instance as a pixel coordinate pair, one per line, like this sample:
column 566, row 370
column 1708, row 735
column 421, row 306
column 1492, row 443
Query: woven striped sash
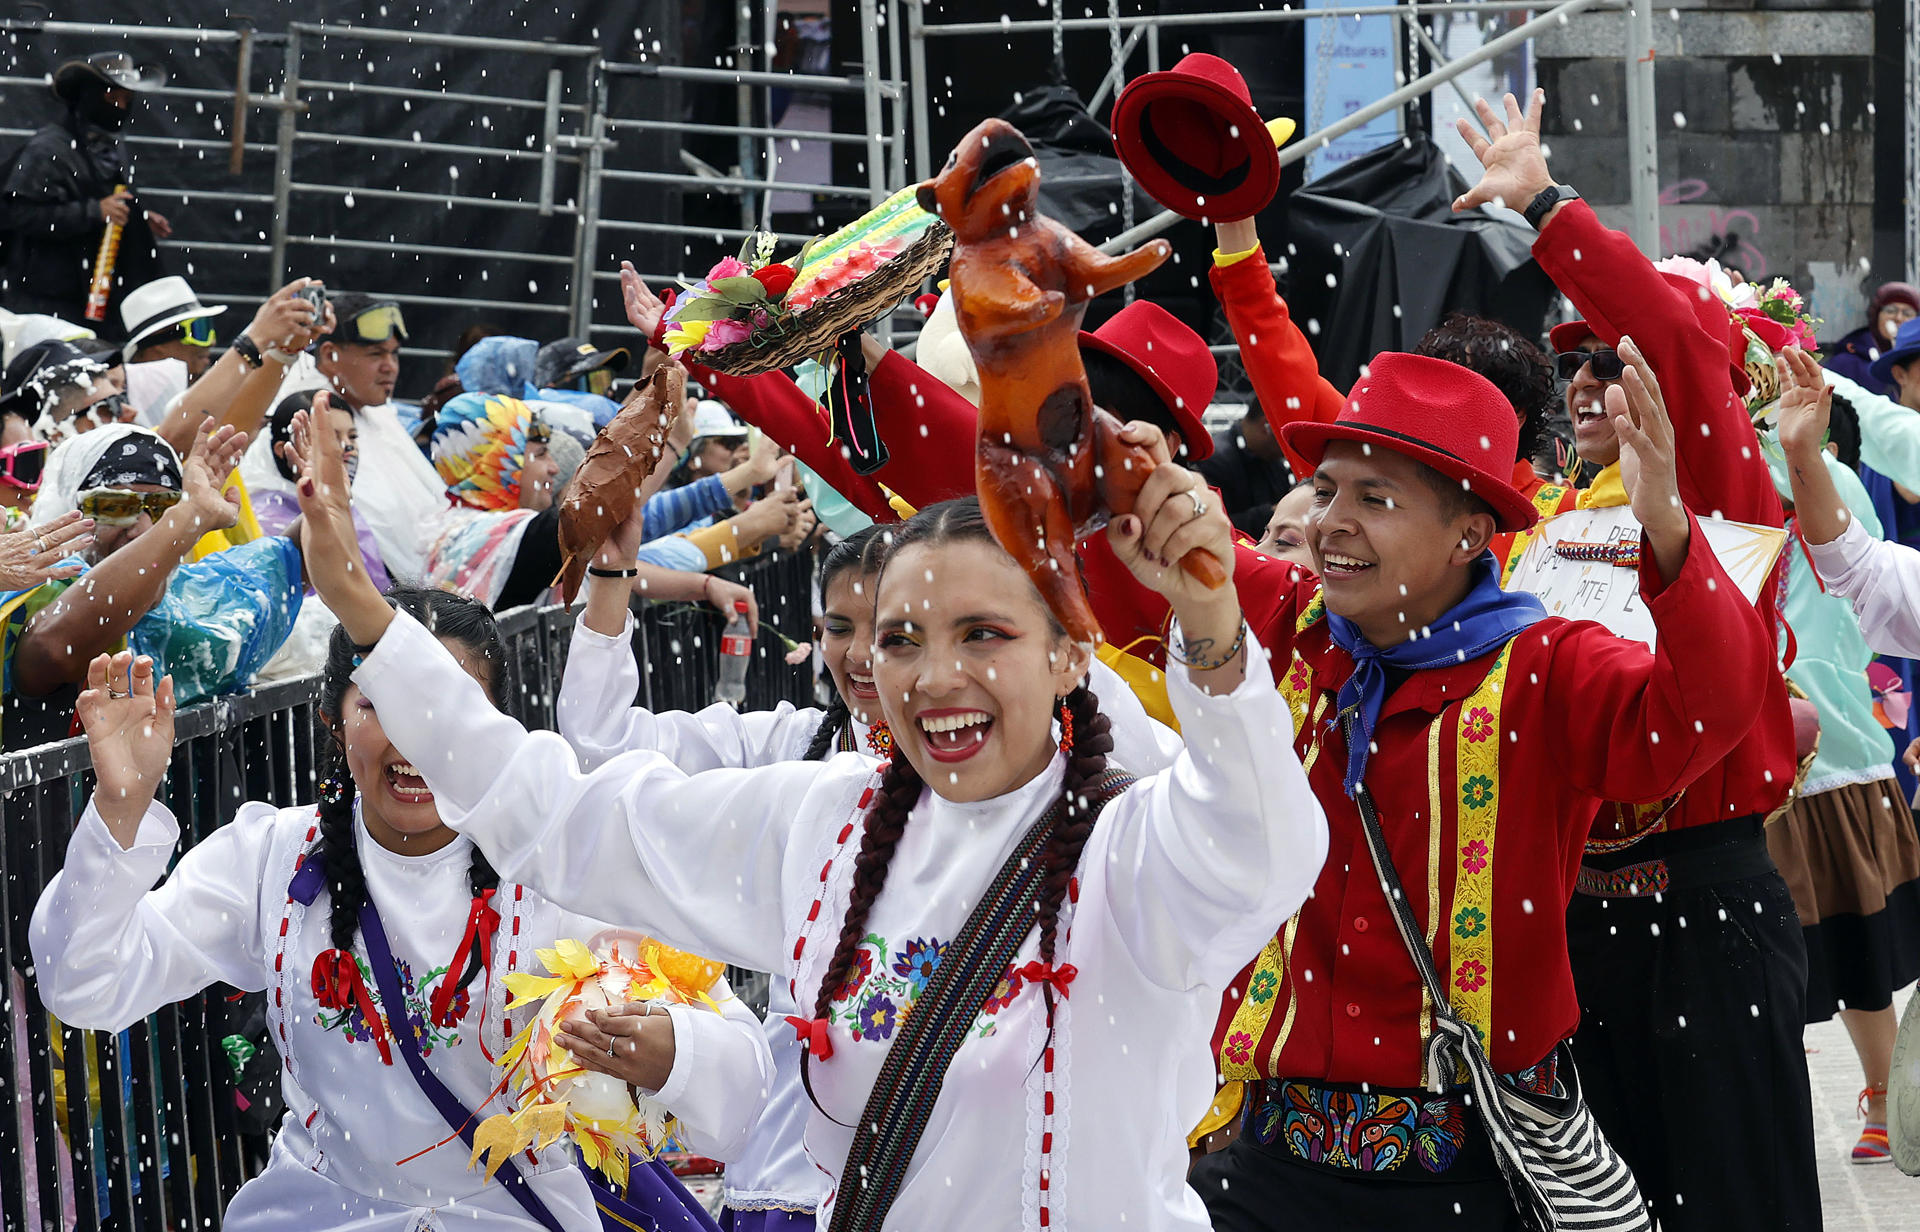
column 916, row 1067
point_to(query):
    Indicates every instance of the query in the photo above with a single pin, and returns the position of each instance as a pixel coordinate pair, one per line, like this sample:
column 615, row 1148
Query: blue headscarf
column 497, row 364
column 1486, row 619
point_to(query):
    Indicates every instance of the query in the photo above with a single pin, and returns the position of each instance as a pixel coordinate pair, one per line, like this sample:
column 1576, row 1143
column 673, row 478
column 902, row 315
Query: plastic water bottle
column 736, row 647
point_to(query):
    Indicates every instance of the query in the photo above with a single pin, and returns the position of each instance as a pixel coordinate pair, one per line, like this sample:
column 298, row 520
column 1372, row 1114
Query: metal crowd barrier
column 166, row 1143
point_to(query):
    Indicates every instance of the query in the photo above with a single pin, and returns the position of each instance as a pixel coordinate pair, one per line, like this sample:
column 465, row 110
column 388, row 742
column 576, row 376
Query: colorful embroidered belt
column 1347, row 1128
column 1680, row 860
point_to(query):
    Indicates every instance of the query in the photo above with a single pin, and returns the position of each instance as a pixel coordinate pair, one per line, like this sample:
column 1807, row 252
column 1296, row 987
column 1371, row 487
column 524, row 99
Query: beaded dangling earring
column 1066, row 726
column 880, row 740
column 334, row 791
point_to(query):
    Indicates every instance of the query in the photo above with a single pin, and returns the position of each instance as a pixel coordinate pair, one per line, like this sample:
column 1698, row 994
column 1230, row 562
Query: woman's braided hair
column 900, row 786
column 861, row 551
column 462, row 621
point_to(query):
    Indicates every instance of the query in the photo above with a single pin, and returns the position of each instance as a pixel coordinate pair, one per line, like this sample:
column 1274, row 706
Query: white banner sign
column 1557, row 565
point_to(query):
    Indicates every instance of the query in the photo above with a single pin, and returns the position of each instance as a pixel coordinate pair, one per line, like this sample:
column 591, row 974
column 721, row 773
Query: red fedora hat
column 1192, row 139
column 1168, row 356
column 1437, row 413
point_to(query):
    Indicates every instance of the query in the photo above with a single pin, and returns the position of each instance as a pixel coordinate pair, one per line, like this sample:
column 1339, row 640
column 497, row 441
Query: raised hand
column 286, row 322
column 328, row 544
column 204, row 475
column 30, row 557
column 129, row 726
column 644, row 308
column 1648, row 460
column 1515, row 166
column 1806, row 403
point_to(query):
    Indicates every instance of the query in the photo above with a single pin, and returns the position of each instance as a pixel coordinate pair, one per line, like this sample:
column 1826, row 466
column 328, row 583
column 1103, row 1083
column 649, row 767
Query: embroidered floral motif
column 1300, row 677
column 1239, row 1047
column 856, row 975
column 1470, row 976
column 1263, row 986
column 882, row 986
column 918, row 961
column 1477, row 792
column 352, row 1025
column 1473, row 856
column 1478, row 724
column 1469, row 922
column 878, row 1017
column 1004, row 992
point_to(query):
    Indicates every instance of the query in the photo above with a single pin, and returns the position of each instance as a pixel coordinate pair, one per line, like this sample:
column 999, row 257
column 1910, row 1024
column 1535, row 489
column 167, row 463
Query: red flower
column 1239, row 1048
column 1473, row 856
column 776, row 278
column 1470, row 976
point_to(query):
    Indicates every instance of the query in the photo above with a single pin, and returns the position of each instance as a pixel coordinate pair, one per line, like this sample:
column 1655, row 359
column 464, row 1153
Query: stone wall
column 1766, row 137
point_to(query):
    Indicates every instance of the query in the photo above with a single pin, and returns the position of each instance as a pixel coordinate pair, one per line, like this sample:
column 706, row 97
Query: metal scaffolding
column 578, row 140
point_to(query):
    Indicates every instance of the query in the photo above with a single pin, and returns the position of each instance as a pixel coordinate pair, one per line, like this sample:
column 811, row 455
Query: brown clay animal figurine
column 608, row 481
column 1051, row 466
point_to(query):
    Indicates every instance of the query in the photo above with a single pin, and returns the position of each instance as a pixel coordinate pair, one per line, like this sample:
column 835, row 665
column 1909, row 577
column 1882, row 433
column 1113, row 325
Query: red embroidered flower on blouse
column 1473, row 856
column 1478, row 725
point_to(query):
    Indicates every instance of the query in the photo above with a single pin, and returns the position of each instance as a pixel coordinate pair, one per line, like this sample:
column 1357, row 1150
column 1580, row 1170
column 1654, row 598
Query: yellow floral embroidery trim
column 1477, row 782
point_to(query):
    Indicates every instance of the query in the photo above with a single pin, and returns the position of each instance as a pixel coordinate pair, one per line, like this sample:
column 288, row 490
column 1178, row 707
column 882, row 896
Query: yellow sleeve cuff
column 1224, row 259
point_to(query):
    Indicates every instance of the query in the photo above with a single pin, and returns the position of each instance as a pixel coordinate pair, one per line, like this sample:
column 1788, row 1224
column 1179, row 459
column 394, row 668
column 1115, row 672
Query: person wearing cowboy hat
column 164, row 319
column 70, row 181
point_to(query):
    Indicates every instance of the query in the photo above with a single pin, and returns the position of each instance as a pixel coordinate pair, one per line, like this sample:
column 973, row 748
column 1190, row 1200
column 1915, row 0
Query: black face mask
column 93, row 107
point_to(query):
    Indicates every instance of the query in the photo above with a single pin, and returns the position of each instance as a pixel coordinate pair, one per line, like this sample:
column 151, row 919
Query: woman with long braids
column 308, row 902
column 1011, row 960
column 772, row 1185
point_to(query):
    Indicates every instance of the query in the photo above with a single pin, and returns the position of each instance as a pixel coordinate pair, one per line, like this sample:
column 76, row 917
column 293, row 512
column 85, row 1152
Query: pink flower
column 801, row 652
column 729, row 267
column 726, row 333
column 1687, row 268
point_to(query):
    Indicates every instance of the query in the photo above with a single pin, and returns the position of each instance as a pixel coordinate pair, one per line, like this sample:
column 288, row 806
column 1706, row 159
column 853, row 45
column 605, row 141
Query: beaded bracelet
column 1207, row 665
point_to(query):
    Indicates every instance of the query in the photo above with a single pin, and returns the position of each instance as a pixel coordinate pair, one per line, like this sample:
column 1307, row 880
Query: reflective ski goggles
column 599, row 381
column 22, row 465
column 198, row 332
column 123, row 507
column 375, row 325
column 1607, row 364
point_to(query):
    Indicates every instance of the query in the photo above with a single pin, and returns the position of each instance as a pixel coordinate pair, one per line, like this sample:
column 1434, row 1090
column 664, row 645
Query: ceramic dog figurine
column 1051, row 466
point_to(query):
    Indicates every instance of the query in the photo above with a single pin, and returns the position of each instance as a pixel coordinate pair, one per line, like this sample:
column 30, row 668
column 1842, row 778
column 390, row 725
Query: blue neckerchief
column 1487, row 618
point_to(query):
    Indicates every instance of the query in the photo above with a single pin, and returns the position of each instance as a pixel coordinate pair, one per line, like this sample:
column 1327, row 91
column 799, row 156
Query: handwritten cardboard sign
column 1609, row 593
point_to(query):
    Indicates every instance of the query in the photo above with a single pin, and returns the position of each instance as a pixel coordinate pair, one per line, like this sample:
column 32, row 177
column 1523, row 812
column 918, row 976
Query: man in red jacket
column 1686, row 949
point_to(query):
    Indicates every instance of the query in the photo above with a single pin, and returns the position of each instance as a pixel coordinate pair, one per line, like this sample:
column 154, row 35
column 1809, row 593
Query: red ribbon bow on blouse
column 482, row 922
column 1037, row 972
column 337, row 984
column 813, row 1033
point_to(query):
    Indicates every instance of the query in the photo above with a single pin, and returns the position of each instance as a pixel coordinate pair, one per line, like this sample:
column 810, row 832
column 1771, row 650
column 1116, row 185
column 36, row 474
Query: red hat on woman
column 1437, row 413
column 1708, row 309
column 1191, row 137
column 1170, row 358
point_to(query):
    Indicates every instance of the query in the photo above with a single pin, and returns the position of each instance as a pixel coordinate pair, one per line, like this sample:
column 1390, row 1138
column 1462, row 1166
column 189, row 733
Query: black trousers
column 1249, row 1188
column 1690, row 1042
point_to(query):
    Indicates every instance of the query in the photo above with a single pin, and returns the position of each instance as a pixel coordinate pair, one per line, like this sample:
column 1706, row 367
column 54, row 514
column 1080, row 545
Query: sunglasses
column 376, row 325
column 599, row 381
column 22, row 465
column 1607, row 364
column 198, row 332
column 120, row 507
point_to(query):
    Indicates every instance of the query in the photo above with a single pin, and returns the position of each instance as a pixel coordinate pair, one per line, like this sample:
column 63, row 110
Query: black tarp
column 1378, row 257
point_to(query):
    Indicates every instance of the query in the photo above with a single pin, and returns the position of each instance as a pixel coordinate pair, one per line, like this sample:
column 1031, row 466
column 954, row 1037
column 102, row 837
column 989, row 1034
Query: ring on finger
column 39, row 545
column 1199, row 502
column 610, row 1054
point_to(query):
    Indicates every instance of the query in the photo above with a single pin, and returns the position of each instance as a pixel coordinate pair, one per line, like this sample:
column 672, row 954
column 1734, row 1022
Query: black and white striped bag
column 1559, row 1167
